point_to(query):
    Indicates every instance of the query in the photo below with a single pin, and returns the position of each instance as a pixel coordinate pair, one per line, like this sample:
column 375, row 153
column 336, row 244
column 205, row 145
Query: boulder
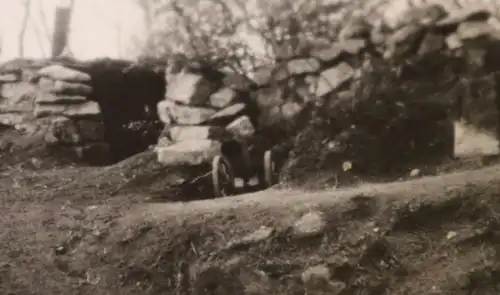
column 189, row 89
column 13, row 119
column 163, row 110
column 170, row 112
column 223, row 98
column 263, row 75
column 85, row 109
column 229, row 113
column 186, row 132
column 58, row 72
column 297, row 67
column 17, row 97
column 259, row 235
column 403, row 41
column 303, row 66
column 310, row 224
column 63, row 87
column 355, row 28
column 467, row 14
column 8, row 78
column 403, row 34
column 335, row 50
column 353, row 46
column 291, row 109
column 332, row 78
column 189, row 152
column 329, row 54
column 316, row 273
column 426, row 15
column 51, row 98
column 241, row 128
column 453, row 42
column 475, row 30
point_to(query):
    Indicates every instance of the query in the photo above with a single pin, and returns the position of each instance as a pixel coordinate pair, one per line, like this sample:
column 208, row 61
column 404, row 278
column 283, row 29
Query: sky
column 98, row 28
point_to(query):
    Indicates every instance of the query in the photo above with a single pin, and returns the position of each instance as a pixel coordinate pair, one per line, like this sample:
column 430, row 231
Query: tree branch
column 24, row 24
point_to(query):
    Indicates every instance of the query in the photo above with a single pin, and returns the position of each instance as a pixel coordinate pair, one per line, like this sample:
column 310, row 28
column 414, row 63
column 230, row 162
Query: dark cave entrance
column 127, row 94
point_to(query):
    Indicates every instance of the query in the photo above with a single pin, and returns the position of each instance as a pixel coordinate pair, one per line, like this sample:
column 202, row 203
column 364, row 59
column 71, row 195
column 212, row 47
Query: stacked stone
column 326, row 72
column 306, row 79
column 16, row 100
column 62, row 98
column 199, row 116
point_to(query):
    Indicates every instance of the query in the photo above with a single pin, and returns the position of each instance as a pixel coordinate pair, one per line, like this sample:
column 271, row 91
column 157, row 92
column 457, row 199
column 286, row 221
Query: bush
column 392, row 117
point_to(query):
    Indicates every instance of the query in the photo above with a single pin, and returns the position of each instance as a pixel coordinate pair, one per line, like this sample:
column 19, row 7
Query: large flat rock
column 63, row 87
column 332, row 78
column 189, row 152
column 51, row 98
column 461, row 15
column 474, row 30
column 297, row 67
column 189, row 89
column 227, row 114
column 223, row 98
column 338, row 49
column 170, row 112
column 58, row 72
column 85, row 109
column 185, row 132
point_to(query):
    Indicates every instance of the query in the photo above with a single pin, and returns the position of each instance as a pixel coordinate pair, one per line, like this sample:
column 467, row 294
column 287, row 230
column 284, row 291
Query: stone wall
column 119, row 108
column 97, row 109
column 62, row 96
column 433, row 53
column 320, row 72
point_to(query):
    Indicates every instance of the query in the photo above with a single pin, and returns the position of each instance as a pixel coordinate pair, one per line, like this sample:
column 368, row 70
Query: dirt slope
column 435, row 235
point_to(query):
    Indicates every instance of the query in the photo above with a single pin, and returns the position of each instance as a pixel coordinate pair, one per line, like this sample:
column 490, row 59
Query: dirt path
column 435, row 234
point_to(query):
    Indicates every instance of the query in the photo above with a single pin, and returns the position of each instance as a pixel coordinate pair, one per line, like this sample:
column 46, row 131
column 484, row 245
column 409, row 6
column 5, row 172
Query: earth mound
column 435, row 235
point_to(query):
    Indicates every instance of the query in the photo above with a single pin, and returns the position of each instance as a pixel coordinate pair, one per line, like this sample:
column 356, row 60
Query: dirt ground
column 83, row 230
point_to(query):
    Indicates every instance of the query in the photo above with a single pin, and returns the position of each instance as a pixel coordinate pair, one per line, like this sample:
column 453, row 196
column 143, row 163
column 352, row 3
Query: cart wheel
column 270, row 169
column 222, row 177
column 335, row 181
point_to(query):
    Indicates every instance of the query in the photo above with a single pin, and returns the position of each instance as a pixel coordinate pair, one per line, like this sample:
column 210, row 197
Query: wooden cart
column 255, row 157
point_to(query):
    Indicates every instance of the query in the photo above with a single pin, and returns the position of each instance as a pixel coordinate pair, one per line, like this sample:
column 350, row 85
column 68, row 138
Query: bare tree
column 213, row 29
column 148, row 13
column 24, row 24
